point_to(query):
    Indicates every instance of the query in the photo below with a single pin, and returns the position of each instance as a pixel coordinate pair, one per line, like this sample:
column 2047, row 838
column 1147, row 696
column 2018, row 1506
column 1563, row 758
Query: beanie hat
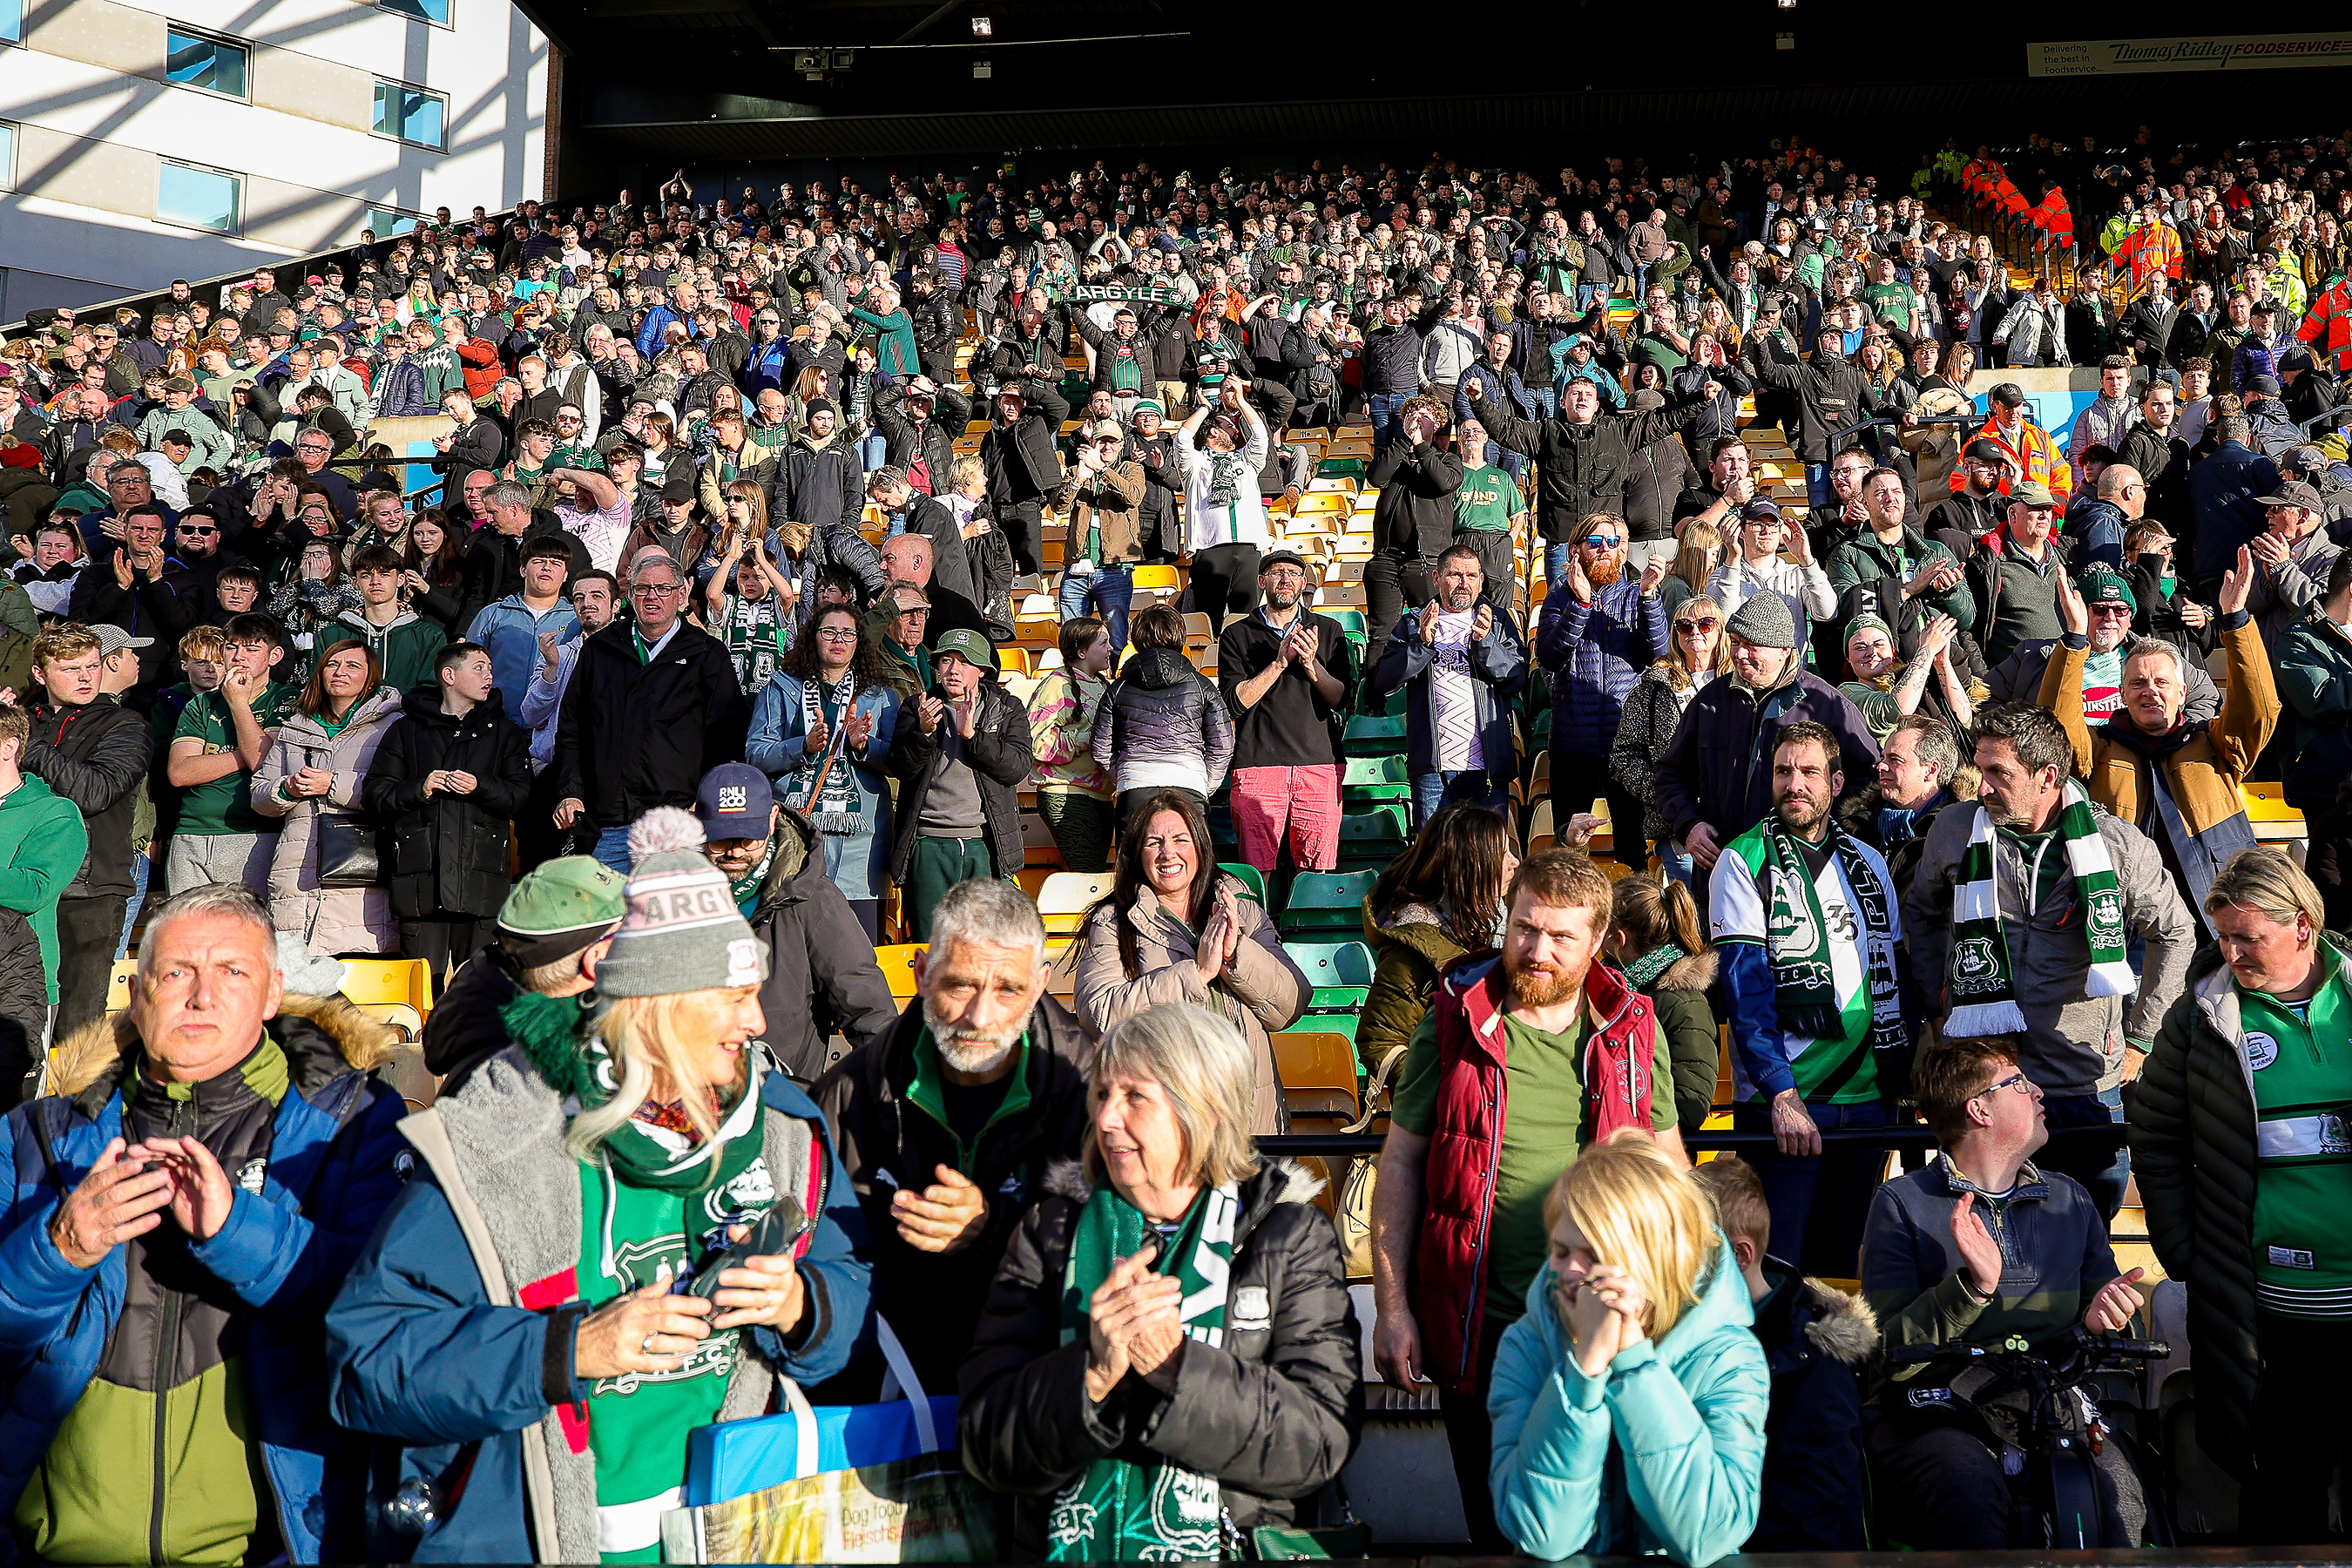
column 1865, row 622
column 1143, row 405
column 2108, row 588
column 1766, row 621
column 682, row 932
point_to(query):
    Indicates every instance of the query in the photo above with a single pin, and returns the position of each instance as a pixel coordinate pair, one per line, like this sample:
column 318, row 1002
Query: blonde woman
column 1700, row 652
column 599, row 1162
column 1169, row 1342
column 1637, row 1338
column 1696, row 555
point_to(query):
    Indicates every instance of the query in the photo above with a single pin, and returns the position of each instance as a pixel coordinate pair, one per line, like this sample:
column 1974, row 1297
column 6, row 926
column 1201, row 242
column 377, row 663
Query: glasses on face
column 657, row 590
column 1602, row 542
column 188, row 532
column 2016, row 1080
column 1702, row 625
column 838, row 634
column 2122, row 610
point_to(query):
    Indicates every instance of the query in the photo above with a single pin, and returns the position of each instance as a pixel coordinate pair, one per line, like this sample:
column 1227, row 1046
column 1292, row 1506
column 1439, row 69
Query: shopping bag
column 869, row 1483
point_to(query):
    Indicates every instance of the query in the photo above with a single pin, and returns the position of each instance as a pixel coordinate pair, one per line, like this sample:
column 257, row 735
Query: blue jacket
column 775, row 744
column 331, row 1173
column 657, row 320
column 1504, row 390
column 2223, row 491
column 770, row 366
column 1499, row 671
column 1597, row 651
column 510, row 632
column 2098, row 529
column 423, row 1352
column 1685, row 1413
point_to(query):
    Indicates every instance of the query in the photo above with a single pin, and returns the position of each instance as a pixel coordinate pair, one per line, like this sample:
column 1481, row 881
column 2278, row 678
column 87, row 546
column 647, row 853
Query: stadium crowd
column 709, row 658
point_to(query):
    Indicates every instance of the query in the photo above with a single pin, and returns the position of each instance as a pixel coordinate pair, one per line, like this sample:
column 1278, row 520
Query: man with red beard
column 1526, row 1057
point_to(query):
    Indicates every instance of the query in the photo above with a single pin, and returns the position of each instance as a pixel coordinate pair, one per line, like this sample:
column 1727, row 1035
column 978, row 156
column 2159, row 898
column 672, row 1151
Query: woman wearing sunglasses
column 1699, row 653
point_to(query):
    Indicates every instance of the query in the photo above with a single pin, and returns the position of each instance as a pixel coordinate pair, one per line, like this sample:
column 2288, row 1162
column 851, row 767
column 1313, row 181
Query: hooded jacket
column 1410, row 949
column 1694, row 1035
column 822, row 976
column 1162, row 724
column 405, row 648
column 449, row 1335
column 450, row 853
column 885, row 1105
column 1596, row 650
column 326, row 919
column 1817, row 1342
column 1272, row 1413
column 632, row 736
column 83, row 1353
column 1831, row 395
column 95, row 756
column 1497, row 665
column 1684, row 1414
column 1718, row 767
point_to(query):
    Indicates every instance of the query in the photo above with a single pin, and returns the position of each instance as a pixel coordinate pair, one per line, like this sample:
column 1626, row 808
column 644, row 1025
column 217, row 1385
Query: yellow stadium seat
column 118, row 984
column 1065, row 897
column 399, row 991
column 898, row 965
column 1156, row 577
column 1319, row 1075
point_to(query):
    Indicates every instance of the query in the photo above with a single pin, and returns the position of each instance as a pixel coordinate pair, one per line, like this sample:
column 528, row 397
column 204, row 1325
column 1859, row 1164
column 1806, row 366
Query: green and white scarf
column 1798, row 938
column 1983, row 986
column 1120, row 1511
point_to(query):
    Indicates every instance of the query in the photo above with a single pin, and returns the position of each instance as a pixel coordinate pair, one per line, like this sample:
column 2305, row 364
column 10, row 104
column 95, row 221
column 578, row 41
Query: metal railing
column 1915, row 1137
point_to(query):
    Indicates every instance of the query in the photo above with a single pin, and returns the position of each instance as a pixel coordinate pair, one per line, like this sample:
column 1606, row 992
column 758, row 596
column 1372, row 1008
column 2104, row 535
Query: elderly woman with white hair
column 1168, row 1361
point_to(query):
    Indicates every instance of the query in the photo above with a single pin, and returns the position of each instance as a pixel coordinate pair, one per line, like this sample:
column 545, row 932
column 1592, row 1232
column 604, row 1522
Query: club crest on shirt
column 2260, row 1050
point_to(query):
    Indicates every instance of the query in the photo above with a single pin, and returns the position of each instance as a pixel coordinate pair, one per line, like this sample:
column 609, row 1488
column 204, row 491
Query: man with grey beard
column 949, row 1122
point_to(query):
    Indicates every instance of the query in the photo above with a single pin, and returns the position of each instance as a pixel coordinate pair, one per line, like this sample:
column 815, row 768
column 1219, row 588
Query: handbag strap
column 804, row 1438
column 899, row 1377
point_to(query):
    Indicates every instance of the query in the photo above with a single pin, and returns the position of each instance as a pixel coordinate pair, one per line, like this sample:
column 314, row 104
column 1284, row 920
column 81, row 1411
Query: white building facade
column 202, row 137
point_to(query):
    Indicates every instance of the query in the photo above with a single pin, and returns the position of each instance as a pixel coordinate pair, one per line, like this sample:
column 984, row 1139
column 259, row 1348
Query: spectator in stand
column 446, row 781
column 1658, row 941
column 833, row 680
column 1023, row 467
column 2225, row 491
column 1597, row 633
column 313, row 777
column 552, row 932
column 1638, row 1275
column 822, row 976
column 403, row 642
column 91, row 751
column 1174, row 928
column 1441, row 898
column 1418, row 483
column 1163, row 726
column 1073, row 791
column 235, row 1125
column 1244, row 1420
column 1654, row 710
column 1100, row 494
column 983, row 1048
column 594, row 599
column 651, row 705
column 1459, row 1237
column 1817, row 1340
column 1287, row 676
column 961, row 753
column 219, row 742
column 513, row 628
column 419, row 1352
column 1462, row 662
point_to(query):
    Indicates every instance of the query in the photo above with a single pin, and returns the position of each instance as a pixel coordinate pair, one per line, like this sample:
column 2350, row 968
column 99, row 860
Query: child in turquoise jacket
column 1635, row 1254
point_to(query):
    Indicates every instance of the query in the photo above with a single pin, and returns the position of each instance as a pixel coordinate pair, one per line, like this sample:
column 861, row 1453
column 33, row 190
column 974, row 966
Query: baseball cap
column 1761, row 506
column 735, row 801
column 2028, row 492
column 1984, row 449
column 560, row 907
column 2107, row 588
column 114, row 639
column 2294, row 492
column 968, row 645
column 2268, row 386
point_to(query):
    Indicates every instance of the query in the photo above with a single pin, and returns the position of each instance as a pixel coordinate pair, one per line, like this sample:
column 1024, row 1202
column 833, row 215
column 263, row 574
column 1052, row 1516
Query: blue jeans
column 1382, row 407
column 1677, row 863
column 872, row 451
column 1107, row 593
column 1476, row 786
column 613, row 848
column 143, row 869
column 1819, row 1204
column 1554, row 560
column 1547, row 400
column 2103, row 1172
column 1818, row 492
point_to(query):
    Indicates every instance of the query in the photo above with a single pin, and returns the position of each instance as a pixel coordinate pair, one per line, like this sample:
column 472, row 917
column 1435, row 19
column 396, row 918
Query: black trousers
column 2299, row 1434
column 1498, row 560
column 1021, row 523
column 1941, row 1488
column 1470, row 1434
column 1224, row 582
column 446, row 942
column 1578, row 779
column 87, row 932
column 1394, row 584
column 536, row 835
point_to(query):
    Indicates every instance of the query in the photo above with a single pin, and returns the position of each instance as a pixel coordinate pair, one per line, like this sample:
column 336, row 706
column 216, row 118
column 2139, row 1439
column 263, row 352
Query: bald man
column 907, row 558
column 2098, row 527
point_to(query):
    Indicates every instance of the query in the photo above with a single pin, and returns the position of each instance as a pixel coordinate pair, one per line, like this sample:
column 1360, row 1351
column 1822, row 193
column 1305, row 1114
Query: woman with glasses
column 317, row 592
column 821, row 729
column 1700, row 652
column 311, row 777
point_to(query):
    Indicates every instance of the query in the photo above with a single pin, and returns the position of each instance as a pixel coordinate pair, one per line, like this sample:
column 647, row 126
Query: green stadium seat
column 1249, row 877
column 1372, row 736
column 1375, row 779
column 1323, row 901
column 1333, row 966
column 1370, row 839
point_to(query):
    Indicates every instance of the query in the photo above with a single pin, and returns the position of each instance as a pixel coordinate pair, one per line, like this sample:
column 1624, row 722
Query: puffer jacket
column 1597, row 653
column 888, row 1112
column 1264, row 991
column 1272, row 1413
column 330, row 1145
column 2194, row 1136
column 1817, row 1340
column 454, row 1365
column 327, row 920
column 1684, row 1414
column 1410, row 949
column 1163, row 724
column 819, row 484
column 934, row 443
column 1653, row 712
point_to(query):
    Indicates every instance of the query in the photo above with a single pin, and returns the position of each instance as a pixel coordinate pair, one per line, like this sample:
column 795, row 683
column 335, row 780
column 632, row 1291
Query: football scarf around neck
column 1983, row 986
column 1798, row 938
column 824, row 787
column 1121, row 1511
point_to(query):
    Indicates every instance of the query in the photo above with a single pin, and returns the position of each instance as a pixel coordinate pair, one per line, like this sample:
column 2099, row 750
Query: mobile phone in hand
column 771, row 1235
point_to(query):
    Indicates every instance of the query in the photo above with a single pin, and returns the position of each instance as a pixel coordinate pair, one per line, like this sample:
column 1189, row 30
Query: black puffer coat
column 884, row 1108
column 821, row 972
column 1162, row 714
column 450, row 853
column 1273, row 1413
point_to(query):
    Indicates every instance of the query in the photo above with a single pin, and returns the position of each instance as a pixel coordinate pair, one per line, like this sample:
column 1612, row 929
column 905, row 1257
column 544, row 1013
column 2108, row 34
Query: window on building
column 7, row 154
column 11, row 21
column 199, row 198
column 385, row 222
column 434, row 11
column 410, row 114
column 198, row 59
